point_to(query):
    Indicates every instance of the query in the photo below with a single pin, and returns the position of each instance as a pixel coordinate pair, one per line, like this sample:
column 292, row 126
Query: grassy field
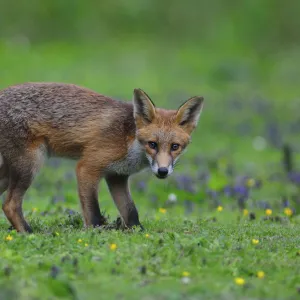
column 232, row 230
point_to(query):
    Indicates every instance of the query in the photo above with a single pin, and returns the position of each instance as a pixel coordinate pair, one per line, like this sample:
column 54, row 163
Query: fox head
column 164, row 134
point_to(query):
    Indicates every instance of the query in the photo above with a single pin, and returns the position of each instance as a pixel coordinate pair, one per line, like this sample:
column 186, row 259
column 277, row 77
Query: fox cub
column 109, row 138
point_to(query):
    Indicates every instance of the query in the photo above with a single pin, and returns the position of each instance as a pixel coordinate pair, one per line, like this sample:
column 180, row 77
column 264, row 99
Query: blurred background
column 242, row 56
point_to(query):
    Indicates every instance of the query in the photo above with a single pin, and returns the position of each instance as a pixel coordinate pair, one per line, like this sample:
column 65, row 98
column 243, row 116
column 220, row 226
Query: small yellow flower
column 8, row 238
column 86, row 244
column 186, row 274
column 34, row 209
column 239, row 281
column 245, row 212
column 219, row 208
column 250, row 182
column 260, row 274
column 162, row 210
column 268, row 212
column 288, row 211
column 147, row 235
column 255, row 241
column 79, row 241
column 113, row 247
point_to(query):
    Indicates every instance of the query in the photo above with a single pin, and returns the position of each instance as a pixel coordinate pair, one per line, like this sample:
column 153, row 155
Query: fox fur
column 110, row 139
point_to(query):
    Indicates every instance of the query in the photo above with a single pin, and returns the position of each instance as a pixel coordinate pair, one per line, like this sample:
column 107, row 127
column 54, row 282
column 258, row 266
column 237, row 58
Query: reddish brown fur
column 109, row 139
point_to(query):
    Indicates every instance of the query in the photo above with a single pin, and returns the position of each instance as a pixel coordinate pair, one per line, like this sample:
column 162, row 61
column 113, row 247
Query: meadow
column 225, row 225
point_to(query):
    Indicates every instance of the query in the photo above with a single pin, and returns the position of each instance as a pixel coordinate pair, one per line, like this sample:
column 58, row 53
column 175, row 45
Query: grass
column 189, row 249
column 62, row 260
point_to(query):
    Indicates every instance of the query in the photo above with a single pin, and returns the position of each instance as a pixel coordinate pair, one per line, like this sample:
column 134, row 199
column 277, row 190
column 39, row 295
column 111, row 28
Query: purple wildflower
column 228, row 191
column 185, row 182
column 141, row 186
column 294, row 177
column 241, row 191
column 285, row 202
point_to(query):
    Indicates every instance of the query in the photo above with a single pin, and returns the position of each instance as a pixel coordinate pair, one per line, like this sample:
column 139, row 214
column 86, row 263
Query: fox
column 109, row 139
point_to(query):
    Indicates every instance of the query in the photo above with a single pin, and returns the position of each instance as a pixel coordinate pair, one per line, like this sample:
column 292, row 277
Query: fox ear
column 143, row 108
column 189, row 112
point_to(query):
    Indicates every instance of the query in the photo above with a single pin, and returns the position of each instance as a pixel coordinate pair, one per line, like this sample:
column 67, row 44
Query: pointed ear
column 189, row 112
column 143, row 108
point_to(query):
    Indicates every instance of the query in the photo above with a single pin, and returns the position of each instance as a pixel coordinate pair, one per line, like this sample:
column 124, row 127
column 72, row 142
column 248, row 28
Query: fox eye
column 175, row 147
column 152, row 145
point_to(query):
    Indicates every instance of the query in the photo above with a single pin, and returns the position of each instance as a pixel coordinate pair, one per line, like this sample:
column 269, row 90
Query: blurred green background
column 242, row 56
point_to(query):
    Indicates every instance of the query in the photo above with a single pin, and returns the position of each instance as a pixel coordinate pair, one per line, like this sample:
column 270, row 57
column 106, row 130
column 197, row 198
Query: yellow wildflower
column 162, row 210
column 186, row 274
column 239, row 281
column 260, row 274
column 255, row 241
column 79, row 241
column 86, row 244
column 250, row 182
column 288, row 211
column 245, row 212
column 268, row 212
column 219, row 208
column 8, row 238
column 113, row 247
column 147, row 235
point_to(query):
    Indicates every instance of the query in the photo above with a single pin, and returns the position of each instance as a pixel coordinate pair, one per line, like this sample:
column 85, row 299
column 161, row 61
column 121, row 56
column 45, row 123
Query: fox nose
column 162, row 172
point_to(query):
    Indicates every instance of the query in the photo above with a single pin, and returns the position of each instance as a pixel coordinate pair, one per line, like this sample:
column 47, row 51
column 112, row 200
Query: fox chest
column 133, row 162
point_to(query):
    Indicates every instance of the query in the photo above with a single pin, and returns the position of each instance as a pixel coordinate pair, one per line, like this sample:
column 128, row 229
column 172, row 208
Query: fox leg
column 119, row 189
column 88, row 178
column 3, row 185
column 3, row 176
column 21, row 174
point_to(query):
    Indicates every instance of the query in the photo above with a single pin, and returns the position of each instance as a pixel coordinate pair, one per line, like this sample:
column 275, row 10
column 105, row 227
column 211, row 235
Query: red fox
column 110, row 139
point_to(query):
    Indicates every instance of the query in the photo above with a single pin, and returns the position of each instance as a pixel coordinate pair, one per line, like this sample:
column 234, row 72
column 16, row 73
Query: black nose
column 162, row 172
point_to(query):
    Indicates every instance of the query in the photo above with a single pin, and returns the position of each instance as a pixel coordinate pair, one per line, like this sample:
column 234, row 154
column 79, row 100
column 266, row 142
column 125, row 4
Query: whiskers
column 176, row 164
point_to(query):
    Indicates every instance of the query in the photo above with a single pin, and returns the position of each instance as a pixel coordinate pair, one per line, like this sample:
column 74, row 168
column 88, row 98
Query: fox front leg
column 119, row 189
column 88, row 179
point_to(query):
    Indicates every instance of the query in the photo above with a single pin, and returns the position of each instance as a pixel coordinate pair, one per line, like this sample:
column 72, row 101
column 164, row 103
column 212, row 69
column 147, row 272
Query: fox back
column 64, row 117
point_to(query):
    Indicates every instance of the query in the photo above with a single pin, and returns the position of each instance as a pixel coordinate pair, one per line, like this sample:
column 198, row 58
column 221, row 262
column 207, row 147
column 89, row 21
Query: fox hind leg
column 21, row 175
column 3, row 185
column 3, row 175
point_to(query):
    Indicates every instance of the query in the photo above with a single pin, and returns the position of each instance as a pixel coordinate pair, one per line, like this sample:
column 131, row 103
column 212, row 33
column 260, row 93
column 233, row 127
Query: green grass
column 53, row 263
column 192, row 236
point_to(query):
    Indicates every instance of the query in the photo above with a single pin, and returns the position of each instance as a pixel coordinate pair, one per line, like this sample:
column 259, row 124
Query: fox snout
column 162, row 165
column 162, row 172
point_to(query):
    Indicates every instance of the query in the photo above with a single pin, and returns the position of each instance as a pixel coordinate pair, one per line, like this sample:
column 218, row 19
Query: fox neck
column 133, row 162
